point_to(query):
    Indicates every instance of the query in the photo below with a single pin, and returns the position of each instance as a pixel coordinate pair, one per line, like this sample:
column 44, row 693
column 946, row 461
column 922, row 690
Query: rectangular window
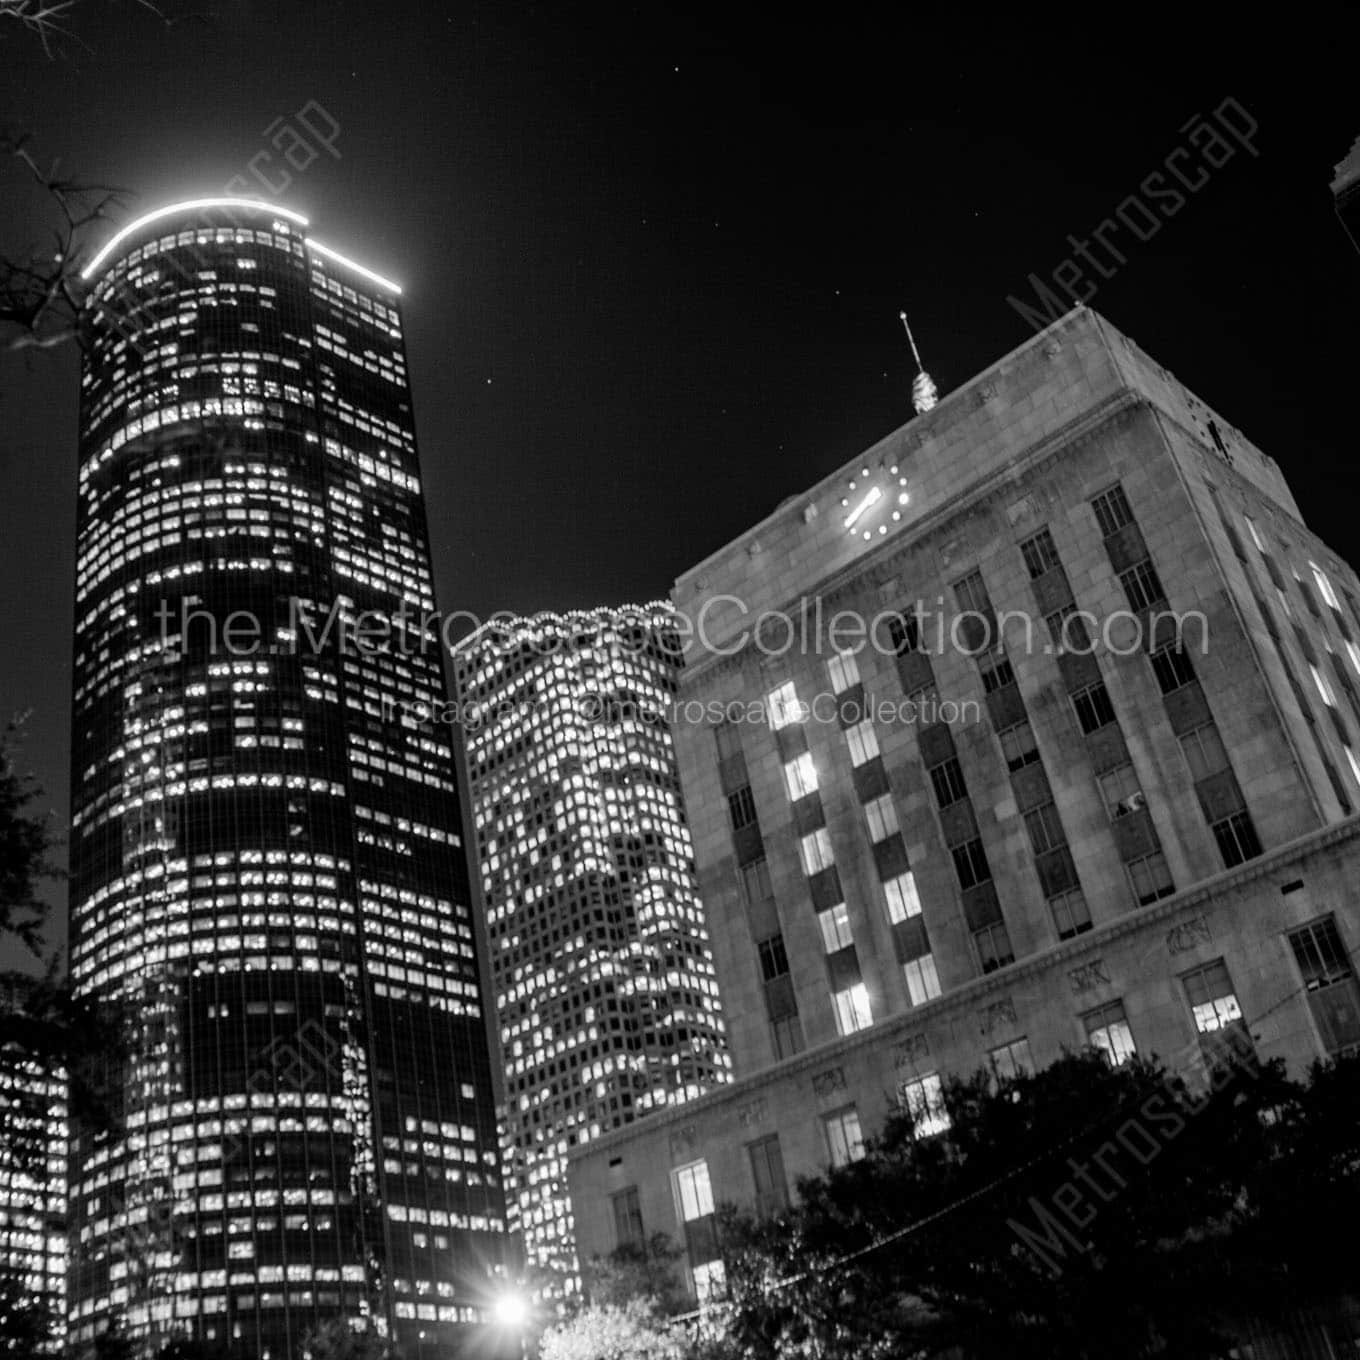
column 628, row 1230
column 709, row 1279
column 881, row 816
column 1107, row 1028
column 1329, row 980
column 767, row 1174
column 902, row 898
column 774, row 959
column 1172, row 667
column 1112, row 510
column 741, row 807
column 1011, row 1060
column 1040, row 554
column 923, row 982
column 755, row 881
column 1120, row 790
column 800, row 774
column 787, row 1036
column 1324, row 586
column 728, row 737
column 1353, row 763
column 971, row 593
column 904, row 633
column 993, row 946
column 843, row 670
column 1045, row 828
column 996, row 672
column 844, row 1140
column 1141, row 585
column 1067, row 630
column 1353, row 651
column 1236, row 837
column 835, row 927
column 815, row 849
column 693, row 1190
column 1323, row 687
column 1151, row 878
column 1018, row 745
column 1071, row 915
column 947, row 780
column 923, row 1100
column 852, row 1009
column 862, row 741
column 1204, row 752
column 1255, row 534
column 1093, row 707
column 970, row 863
column 783, row 706
column 1213, row 1003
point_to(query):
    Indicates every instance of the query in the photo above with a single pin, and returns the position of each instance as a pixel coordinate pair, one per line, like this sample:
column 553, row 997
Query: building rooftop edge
column 505, row 619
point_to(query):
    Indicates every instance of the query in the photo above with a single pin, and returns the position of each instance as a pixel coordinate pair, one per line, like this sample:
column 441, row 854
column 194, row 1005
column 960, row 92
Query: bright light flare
column 511, row 1310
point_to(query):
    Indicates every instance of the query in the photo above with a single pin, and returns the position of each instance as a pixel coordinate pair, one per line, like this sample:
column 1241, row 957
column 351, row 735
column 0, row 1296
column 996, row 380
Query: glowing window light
column 189, row 205
column 313, row 244
column 874, row 495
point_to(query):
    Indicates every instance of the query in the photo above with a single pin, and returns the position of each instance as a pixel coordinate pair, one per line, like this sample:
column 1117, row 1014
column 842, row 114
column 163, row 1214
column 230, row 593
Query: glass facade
column 267, row 866
column 605, row 991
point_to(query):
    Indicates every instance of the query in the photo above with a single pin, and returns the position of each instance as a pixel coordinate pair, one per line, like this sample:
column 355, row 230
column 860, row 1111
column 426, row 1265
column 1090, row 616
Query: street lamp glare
column 511, row 1310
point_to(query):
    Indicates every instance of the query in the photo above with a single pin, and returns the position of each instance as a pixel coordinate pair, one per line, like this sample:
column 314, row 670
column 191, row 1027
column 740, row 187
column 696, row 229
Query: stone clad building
column 1037, row 725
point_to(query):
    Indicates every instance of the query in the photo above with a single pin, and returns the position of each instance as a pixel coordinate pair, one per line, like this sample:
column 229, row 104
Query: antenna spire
column 924, row 393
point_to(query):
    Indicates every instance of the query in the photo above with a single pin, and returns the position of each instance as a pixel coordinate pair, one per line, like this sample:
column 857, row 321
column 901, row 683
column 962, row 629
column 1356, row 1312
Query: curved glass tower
column 266, row 870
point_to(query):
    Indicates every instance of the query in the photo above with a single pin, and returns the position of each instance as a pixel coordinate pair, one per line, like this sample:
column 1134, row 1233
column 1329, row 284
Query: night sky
column 653, row 258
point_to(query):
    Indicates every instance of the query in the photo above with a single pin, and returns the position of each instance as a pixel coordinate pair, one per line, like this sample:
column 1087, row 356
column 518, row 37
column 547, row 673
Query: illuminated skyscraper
column 267, row 873
column 604, row 982
column 33, row 1179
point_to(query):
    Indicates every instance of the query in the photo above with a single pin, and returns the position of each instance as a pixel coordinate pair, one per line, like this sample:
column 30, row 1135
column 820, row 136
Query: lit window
column 1107, row 1028
column 1323, row 688
column 783, row 706
column 1353, row 763
column 1213, row 1003
column 844, row 1139
column 835, row 926
column 881, row 816
column 815, row 849
column 1324, row 586
column 693, row 1191
column 863, row 742
column 852, row 1008
column 902, row 898
column 923, row 1100
column 843, row 670
column 923, row 981
column 800, row 774
column 1255, row 534
column 1353, row 652
column 709, row 1279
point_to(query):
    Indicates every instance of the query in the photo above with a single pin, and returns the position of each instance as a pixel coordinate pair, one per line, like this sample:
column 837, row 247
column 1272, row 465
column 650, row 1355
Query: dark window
column 947, row 779
column 1040, row 553
column 1204, row 751
column 1151, row 878
column 1071, row 915
column 787, row 1036
column 904, row 633
column 970, row 863
column 995, row 670
column 993, row 947
column 1172, row 667
column 1093, row 707
column 628, row 1230
column 971, row 593
column 1141, row 585
column 755, row 881
column 1018, row 746
column 1112, row 510
column 741, row 807
column 774, row 961
column 1068, row 630
column 1045, row 829
column 767, row 1171
column 1329, row 980
column 1236, row 838
column 728, row 736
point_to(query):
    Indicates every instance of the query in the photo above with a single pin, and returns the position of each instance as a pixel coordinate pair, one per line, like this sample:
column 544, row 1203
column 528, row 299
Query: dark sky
column 653, row 256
